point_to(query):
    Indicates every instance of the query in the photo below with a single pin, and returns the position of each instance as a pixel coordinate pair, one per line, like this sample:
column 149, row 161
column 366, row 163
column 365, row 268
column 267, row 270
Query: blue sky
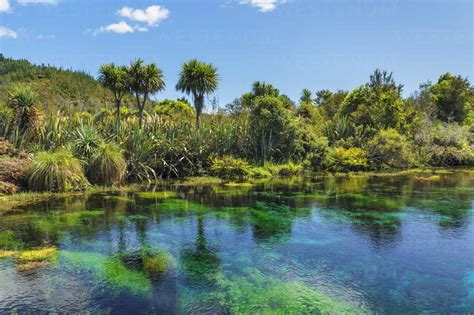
column 293, row 44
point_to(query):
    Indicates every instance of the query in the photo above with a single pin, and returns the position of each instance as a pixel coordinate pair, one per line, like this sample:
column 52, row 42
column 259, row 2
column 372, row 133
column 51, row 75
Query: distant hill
column 59, row 89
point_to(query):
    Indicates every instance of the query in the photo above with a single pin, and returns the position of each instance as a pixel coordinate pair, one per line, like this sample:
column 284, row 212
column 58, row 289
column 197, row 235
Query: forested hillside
column 59, row 89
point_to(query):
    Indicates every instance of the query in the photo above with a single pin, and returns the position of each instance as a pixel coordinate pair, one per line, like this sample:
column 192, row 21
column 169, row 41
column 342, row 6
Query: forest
column 64, row 130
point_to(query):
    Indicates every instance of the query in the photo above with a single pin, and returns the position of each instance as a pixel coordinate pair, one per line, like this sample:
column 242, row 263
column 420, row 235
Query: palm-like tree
column 198, row 79
column 144, row 80
column 22, row 99
column 115, row 78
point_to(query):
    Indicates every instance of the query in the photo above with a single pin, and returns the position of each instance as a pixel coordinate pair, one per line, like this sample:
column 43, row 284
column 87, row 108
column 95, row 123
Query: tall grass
column 106, row 165
column 57, row 171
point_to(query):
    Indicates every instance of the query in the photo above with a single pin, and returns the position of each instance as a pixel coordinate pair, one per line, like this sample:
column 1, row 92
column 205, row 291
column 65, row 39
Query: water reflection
column 383, row 242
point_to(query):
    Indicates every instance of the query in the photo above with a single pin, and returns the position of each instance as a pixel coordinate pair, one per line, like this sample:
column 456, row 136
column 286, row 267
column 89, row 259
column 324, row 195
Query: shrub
column 174, row 109
column 390, row 149
column 228, row 167
column 451, row 145
column 57, row 171
column 344, row 160
column 107, row 165
column 287, row 169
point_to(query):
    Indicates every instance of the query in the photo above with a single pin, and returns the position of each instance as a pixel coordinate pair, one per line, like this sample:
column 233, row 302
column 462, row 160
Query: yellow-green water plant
column 57, row 171
column 157, row 263
column 107, row 165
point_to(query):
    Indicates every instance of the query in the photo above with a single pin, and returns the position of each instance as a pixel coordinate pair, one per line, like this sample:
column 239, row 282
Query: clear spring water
column 390, row 245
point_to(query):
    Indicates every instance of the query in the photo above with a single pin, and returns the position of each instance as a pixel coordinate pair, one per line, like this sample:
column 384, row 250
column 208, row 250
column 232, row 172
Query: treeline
column 261, row 133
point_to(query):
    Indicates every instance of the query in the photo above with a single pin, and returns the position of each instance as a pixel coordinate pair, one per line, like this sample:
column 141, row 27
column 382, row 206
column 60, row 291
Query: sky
column 292, row 44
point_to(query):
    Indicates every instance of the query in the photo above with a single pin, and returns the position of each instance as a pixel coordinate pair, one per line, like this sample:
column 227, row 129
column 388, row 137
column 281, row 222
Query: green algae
column 110, row 269
column 179, row 206
column 156, row 195
column 255, row 293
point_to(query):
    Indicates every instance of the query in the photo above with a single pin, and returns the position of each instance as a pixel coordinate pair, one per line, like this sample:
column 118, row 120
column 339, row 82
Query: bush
column 107, row 165
column 228, row 167
column 390, row 149
column 345, row 160
column 174, row 109
column 287, row 169
column 274, row 130
column 451, row 145
column 316, row 154
column 56, row 171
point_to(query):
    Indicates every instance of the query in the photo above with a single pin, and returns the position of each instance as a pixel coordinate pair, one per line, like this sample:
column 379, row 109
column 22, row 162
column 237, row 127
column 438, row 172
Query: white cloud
column 27, row 2
column 152, row 15
column 6, row 32
column 4, row 5
column 121, row 28
column 263, row 5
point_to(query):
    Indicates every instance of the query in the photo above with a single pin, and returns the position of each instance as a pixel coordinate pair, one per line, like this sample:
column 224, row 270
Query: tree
column 144, row 80
column 376, row 104
column 306, row 97
column 274, row 129
column 115, row 79
column 198, row 79
column 22, row 99
column 453, row 97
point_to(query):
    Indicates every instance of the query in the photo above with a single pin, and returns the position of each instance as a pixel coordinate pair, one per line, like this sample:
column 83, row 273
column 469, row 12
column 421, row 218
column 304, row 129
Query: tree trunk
column 117, row 108
column 198, row 104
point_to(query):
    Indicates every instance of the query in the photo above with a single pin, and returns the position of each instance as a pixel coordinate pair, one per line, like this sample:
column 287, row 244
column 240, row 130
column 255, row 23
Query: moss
column 157, row 195
column 36, row 255
column 156, row 264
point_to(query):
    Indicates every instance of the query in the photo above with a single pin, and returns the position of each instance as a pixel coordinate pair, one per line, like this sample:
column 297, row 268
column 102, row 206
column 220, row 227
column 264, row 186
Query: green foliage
column 228, row 167
column 175, row 110
column 452, row 145
column 274, row 130
column 390, row 149
column 341, row 127
column 377, row 104
column 106, row 165
column 344, row 160
column 453, row 97
column 57, row 171
column 58, row 89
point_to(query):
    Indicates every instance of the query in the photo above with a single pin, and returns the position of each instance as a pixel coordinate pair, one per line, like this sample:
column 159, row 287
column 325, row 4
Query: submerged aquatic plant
column 157, row 263
column 58, row 171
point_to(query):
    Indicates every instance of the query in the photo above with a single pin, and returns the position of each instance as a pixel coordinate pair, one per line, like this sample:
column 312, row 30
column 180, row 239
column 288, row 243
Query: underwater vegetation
column 252, row 292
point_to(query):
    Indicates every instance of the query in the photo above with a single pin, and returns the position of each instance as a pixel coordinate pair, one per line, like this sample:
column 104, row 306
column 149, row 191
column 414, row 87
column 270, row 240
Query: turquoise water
column 393, row 245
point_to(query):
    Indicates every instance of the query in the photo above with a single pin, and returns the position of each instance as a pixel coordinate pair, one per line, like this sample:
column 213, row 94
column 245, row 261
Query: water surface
column 391, row 245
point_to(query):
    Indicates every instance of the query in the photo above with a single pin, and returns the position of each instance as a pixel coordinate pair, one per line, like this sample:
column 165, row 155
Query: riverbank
column 11, row 201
